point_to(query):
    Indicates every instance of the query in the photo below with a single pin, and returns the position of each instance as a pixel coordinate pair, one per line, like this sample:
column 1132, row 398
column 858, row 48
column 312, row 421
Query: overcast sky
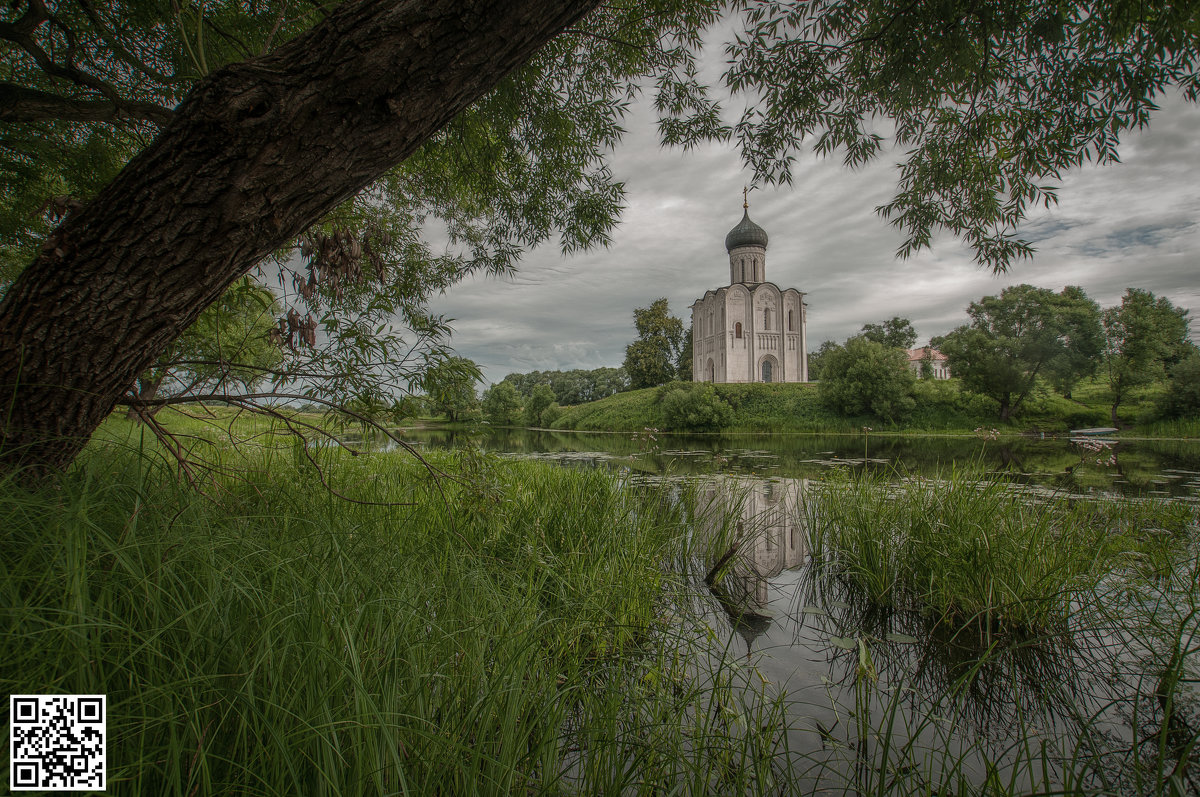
column 1133, row 224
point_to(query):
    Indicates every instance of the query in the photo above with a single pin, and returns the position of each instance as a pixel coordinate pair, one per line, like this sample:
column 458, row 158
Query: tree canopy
column 176, row 147
column 655, row 357
column 896, row 332
column 450, row 385
column 1017, row 337
column 576, row 386
column 865, row 377
column 502, row 404
column 1082, row 357
column 539, row 403
column 816, row 359
column 1143, row 336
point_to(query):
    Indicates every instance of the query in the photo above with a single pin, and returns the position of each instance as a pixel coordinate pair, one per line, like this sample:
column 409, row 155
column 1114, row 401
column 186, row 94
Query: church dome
column 746, row 233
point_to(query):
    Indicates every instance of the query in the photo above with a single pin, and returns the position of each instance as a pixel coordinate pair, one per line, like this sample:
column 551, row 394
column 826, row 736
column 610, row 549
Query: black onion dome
column 746, row 233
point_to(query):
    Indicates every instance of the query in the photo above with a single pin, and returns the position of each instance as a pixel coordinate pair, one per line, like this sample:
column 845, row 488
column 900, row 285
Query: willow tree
column 198, row 141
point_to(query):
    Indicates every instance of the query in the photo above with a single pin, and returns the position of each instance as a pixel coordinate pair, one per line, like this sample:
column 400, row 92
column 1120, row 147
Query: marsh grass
column 496, row 631
column 1046, row 646
column 1180, row 428
column 513, row 627
column 969, row 551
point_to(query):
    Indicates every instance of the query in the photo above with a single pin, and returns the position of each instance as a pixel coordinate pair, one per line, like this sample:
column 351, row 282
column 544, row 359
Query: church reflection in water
column 752, row 530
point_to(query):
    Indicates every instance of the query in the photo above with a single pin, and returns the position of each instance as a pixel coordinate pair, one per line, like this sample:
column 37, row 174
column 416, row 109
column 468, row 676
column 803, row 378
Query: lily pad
column 844, row 642
column 903, row 639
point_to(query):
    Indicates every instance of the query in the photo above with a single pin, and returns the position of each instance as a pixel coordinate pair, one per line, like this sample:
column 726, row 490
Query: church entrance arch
column 712, row 371
column 768, row 369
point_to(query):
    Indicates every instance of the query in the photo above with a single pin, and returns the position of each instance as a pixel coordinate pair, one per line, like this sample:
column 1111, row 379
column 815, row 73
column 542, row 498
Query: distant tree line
column 1023, row 338
column 577, row 386
column 535, row 398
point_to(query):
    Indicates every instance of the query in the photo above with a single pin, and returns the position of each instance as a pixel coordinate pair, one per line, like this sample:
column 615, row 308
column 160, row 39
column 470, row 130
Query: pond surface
column 1149, row 468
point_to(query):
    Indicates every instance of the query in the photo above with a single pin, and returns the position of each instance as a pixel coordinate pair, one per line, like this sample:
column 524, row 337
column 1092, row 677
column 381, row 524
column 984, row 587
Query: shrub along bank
column 939, row 406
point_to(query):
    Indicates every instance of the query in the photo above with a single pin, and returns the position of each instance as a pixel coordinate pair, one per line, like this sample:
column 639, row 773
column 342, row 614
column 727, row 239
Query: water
column 1057, row 465
column 951, row 705
column 861, row 679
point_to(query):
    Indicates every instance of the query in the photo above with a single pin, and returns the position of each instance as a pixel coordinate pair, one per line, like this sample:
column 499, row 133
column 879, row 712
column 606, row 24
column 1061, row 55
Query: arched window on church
column 710, row 322
column 766, row 318
column 743, row 269
column 737, row 330
column 791, row 323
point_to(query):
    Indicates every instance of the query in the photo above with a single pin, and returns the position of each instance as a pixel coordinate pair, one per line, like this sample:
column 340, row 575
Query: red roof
column 916, row 355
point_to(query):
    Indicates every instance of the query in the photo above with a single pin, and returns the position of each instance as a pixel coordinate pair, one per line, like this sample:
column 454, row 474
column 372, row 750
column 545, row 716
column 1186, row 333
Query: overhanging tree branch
column 21, row 104
column 113, row 41
column 21, row 34
column 255, row 154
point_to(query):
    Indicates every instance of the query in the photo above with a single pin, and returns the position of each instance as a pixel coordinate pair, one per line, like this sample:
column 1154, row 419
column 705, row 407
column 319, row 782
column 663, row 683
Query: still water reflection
column 870, row 688
column 1162, row 468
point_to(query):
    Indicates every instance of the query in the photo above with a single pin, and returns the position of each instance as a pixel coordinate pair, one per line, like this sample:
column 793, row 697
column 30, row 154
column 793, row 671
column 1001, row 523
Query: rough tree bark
column 256, row 153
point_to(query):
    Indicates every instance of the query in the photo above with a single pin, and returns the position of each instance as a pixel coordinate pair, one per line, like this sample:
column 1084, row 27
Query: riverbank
column 942, row 408
column 368, row 624
column 484, row 627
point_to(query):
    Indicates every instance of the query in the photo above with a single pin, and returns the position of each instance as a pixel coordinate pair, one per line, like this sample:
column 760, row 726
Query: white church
column 751, row 330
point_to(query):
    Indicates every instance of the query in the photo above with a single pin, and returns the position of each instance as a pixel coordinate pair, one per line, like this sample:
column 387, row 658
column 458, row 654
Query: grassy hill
column 942, row 406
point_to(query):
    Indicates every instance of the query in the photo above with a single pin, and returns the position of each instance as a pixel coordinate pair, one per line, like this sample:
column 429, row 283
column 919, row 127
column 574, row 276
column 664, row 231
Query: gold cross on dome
column 745, row 199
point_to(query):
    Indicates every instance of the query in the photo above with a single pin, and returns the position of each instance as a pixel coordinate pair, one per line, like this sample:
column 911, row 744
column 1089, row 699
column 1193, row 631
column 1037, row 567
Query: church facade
column 750, row 330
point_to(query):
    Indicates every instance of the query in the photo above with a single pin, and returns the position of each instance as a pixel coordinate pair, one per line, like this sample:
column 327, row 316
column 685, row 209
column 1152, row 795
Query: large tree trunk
column 256, row 153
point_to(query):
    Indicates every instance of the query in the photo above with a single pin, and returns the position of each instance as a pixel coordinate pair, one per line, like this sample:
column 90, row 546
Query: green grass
column 971, row 553
column 498, row 632
column 942, row 407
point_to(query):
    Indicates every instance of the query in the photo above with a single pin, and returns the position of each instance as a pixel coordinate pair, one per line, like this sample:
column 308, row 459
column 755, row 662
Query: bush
column 693, row 408
column 502, row 405
column 867, row 378
column 550, row 415
column 1182, row 398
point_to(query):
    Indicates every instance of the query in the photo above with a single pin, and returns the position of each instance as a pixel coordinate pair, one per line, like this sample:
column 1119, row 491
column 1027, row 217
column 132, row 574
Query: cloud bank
column 1132, row 224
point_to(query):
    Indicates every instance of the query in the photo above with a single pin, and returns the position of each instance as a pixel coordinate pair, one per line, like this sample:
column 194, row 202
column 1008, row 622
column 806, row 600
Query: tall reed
column 1046, row 645
column 496, row 630
column 972, row 550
